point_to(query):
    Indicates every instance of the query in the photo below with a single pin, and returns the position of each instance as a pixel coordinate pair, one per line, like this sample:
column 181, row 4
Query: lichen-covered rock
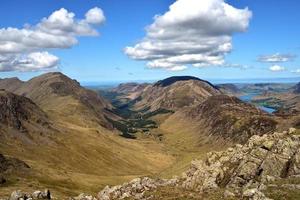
column 261, row 160
column 83, row 197
column 135, row 188
column 254, row 194
column 19, row 195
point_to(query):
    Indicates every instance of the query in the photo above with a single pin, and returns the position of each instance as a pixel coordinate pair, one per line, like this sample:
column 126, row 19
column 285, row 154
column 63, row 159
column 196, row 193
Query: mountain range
column 70, row 136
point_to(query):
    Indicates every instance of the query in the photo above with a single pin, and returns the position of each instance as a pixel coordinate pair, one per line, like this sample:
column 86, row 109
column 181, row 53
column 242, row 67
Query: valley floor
column 70, row 166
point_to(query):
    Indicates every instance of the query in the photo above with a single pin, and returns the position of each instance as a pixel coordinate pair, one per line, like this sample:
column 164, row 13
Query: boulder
column 18, row 195
column 84, row 197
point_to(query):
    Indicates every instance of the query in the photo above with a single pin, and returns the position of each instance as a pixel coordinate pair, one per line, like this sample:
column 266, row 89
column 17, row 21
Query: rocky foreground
column 242, row 172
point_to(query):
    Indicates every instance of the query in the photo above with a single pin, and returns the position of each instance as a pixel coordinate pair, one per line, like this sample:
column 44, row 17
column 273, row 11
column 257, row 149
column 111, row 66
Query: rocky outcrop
column 243, row 171
column 11, row 165
column 246, row 167
column 15, row 111
column 19, row 195
column 135, row 188
column 83, row 197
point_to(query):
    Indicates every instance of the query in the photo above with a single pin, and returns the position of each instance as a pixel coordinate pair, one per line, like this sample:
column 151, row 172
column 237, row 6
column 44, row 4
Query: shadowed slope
column 223, row 117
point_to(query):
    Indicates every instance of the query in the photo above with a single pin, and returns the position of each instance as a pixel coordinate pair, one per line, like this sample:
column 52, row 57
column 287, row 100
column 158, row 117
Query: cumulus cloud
column 29, row 62
column 276, row 68
column 23, row 48
column 191, row 32
column 276, row 58
column 95, row 16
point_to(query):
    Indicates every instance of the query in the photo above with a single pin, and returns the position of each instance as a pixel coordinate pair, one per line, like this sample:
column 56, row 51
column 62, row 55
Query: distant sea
column 109, row 84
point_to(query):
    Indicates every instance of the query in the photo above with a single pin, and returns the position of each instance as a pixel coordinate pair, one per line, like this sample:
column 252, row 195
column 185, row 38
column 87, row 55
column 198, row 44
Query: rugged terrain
column 206, row 120
column 61, row 130
column 223, row 117
column 78, row 147
column 265, row 167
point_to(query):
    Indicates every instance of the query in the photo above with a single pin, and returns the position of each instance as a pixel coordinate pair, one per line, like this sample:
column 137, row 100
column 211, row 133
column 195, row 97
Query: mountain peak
column 173, row 79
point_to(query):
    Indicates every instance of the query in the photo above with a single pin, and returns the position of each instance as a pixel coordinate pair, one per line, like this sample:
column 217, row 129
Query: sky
column 128, row 40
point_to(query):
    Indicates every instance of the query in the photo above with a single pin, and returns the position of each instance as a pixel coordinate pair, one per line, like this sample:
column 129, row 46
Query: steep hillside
column 64, row 99
column 174, row 93
column 21, row 119
column 130, row 90
column 221, row 118
column 57, row 132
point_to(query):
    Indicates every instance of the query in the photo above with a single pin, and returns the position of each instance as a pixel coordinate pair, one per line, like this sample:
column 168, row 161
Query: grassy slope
column 182, row 142
column 84, row 159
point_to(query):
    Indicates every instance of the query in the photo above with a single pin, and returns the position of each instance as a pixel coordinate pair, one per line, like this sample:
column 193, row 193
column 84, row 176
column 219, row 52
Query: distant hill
column 169, row 81
column 229, row 89
column 175, row 92
column 10, row 84
column 130, row 90
column 126, row 88
column 296, row 88
column 267, row 87
column 63, row 98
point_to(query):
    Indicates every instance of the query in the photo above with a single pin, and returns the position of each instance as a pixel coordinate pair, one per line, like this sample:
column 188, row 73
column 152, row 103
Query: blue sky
column 273, row 30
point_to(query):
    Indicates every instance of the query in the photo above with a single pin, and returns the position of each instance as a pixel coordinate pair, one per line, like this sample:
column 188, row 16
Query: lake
column 248, row 98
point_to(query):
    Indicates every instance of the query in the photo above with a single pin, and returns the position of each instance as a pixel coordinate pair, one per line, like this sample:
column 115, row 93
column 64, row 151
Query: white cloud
column 191, row 32
column 28, row 62
column 58, row 31
column 178, row 68
column 235, row 65
column 95, row 16
column 297, row 71
column 277, row 68
column 275, row 58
